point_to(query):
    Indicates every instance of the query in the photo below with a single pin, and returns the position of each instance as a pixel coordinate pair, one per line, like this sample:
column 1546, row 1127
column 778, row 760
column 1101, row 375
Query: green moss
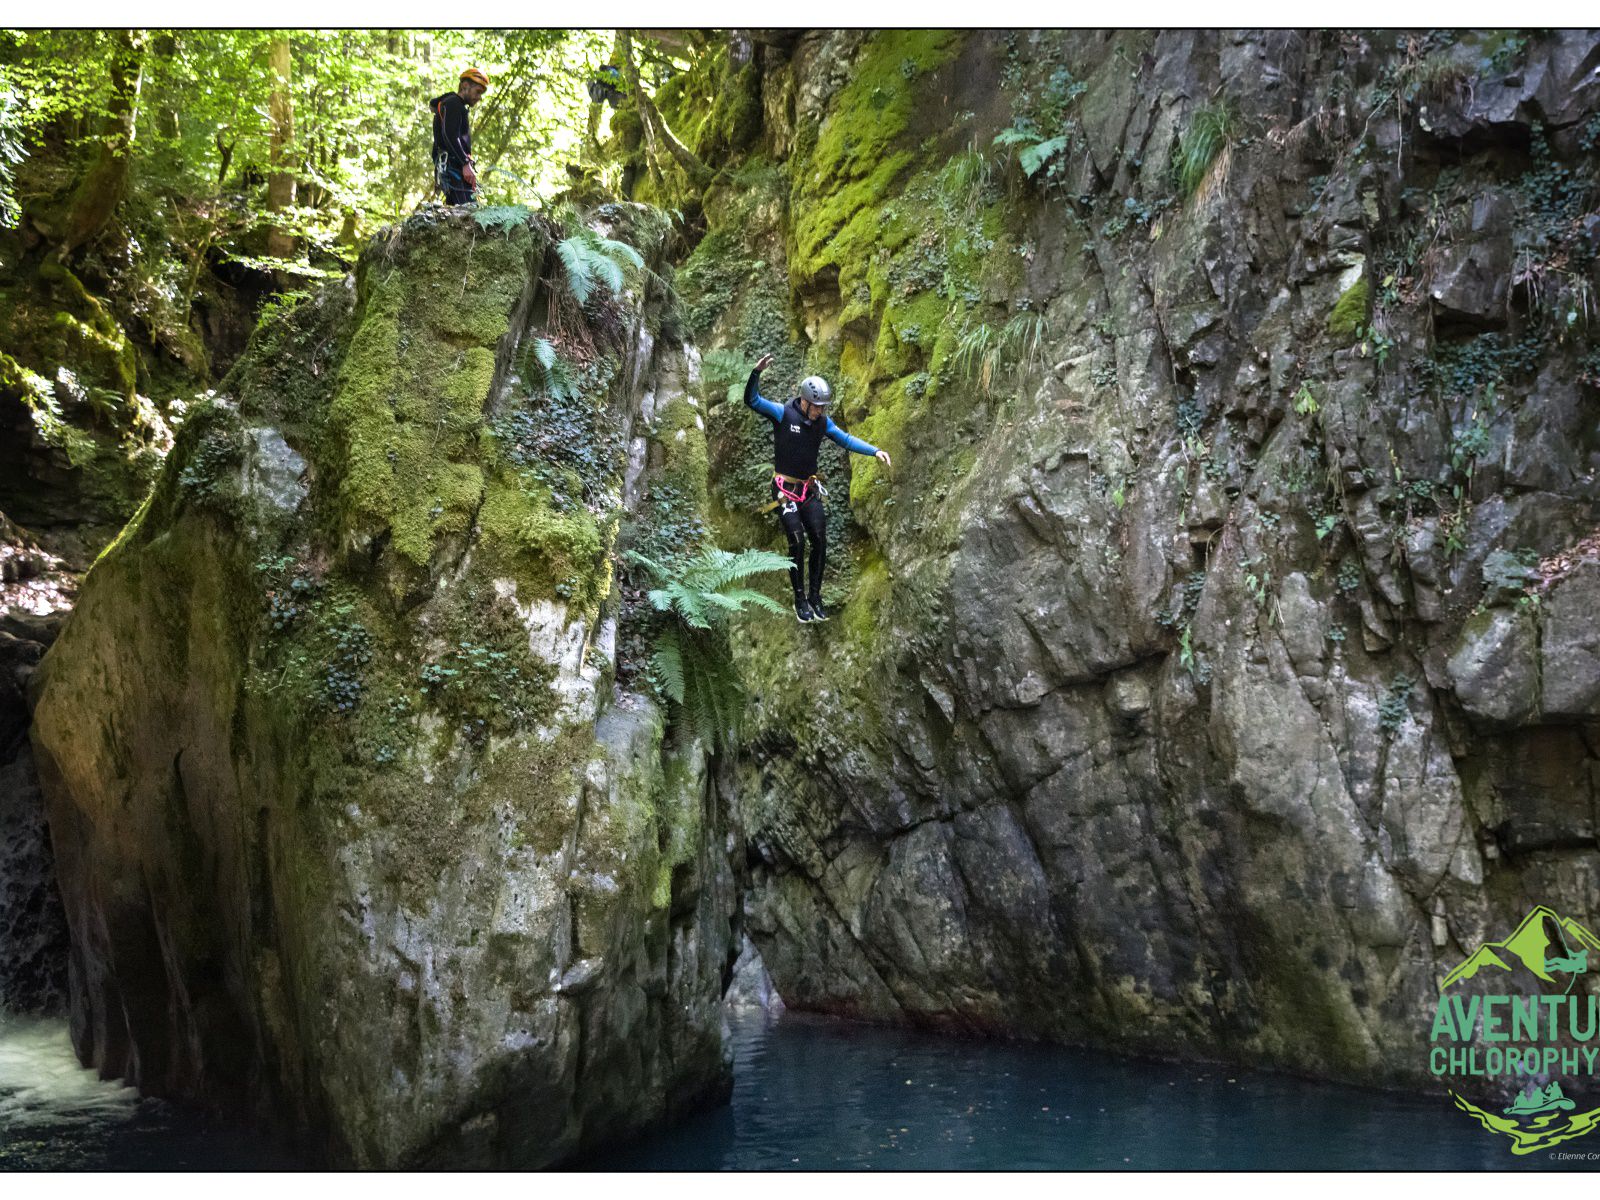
column 415, row 381
column 288, row 371
column 857, row 155
column 681, row 434
column 862, row 615
column 1349, row 315
column 547, row 553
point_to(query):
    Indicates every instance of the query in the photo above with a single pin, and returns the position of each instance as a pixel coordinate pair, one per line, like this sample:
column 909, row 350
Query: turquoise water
column 813, row 1093
column 817, row 1094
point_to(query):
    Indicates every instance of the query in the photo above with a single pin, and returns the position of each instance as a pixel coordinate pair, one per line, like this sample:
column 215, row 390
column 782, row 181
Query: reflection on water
column 812, row 1093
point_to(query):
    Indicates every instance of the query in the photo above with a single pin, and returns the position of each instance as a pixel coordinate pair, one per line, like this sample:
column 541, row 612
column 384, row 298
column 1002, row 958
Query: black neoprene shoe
column 803, row 611
column 818, row 613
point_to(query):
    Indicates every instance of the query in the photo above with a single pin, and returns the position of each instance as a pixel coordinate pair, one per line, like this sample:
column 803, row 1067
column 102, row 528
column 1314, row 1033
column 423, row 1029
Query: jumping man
column 454, row 172
column 798, row 429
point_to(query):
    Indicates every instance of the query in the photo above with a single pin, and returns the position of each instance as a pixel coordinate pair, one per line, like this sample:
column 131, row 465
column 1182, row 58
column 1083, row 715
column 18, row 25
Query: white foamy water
column 42, row 1083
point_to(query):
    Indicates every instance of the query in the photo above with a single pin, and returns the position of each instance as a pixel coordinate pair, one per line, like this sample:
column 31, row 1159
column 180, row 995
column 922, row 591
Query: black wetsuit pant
column 802, row 521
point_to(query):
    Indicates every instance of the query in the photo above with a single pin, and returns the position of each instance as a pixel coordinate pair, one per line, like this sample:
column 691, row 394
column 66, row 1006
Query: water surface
column 812, row 1093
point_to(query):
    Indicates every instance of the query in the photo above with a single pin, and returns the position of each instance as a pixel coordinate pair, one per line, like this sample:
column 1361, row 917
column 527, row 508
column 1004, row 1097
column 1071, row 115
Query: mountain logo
column 1511, row 1015
column 1530, row 945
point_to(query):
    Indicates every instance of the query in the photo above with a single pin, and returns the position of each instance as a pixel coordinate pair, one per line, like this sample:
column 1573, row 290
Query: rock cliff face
column 1218, row 664
column 348, row 819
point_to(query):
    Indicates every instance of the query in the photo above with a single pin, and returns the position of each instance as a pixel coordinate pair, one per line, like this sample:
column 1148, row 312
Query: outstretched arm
column 850, row 442
column 753, row 396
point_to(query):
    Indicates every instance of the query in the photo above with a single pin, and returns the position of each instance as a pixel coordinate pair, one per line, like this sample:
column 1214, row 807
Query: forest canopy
column 305, row 139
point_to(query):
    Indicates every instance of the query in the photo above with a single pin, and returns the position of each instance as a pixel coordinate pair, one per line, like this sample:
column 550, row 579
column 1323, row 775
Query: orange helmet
column 473, row 75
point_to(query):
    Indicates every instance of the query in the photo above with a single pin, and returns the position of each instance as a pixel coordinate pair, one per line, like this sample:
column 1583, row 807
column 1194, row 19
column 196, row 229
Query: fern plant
column 691, row 661
column 546, row 371
column 588, row 260
column 1036, row 149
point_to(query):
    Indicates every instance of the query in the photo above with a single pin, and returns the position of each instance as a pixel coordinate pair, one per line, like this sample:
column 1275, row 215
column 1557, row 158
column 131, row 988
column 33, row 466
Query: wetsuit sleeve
column 847, row 441
column 452, row 118
column 757, row 401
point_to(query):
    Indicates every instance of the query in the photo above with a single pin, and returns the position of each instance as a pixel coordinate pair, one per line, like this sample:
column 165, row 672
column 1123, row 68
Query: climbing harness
column 790, row 500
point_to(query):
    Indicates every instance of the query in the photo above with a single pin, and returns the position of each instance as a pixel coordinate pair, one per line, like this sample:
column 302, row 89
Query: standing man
column 454, row 171
column 798, row 428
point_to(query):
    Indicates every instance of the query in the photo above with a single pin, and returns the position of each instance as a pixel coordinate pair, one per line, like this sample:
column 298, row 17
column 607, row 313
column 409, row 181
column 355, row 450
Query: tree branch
column 655, row 127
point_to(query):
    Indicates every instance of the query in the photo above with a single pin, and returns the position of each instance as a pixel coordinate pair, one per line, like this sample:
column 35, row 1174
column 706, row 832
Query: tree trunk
column 280, row 183
column 591, row 136
column 102, row 187
column 655, row 127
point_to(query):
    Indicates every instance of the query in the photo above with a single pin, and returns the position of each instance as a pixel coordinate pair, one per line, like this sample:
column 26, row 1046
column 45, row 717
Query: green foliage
column 1134, row 214
column 984, row 354
column 1304, row 402
column 501, row 218
column 546, row 371
column 562, row 439
column 12, row 155
column 1210, row 130
column 1469, row 444
column 1043, row 133
column 1258, row 580
column 1468, row 369
column 589, row 259
column 694, row 599
column 361, row 126
column 1188, row 601
column 349, row 652
column 1034, row 150
column 1502, row 49
column 1349, row 315
column 1395, row 706
column 965, row 181
column 487, row 687
column 700, row 591
column 209, row 477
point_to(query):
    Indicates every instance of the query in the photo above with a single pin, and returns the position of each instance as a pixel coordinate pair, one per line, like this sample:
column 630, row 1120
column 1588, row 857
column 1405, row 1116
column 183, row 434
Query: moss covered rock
column 80, row 446
column 344, row 826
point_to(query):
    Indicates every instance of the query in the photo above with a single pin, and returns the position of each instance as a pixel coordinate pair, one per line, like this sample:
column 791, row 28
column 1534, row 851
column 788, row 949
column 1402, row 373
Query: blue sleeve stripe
column 848, row 441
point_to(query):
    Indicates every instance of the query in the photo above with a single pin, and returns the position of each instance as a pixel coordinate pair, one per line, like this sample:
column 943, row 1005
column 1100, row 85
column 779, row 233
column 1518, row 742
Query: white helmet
column 814, row 389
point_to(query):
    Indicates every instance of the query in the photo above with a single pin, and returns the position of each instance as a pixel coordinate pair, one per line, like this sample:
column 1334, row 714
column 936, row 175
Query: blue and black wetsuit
column 452, row 146
column 795, row 442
